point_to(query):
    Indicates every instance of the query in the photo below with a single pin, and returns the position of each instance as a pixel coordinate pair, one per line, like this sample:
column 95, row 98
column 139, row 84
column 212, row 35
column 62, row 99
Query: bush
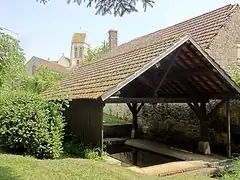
column 74, row 148
column 31, row 125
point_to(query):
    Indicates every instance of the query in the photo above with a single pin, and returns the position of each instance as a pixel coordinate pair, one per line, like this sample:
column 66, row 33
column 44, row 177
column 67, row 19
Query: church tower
column 78, row 47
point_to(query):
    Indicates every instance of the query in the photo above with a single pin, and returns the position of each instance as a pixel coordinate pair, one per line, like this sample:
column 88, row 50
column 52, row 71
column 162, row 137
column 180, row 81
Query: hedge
column 31, row 125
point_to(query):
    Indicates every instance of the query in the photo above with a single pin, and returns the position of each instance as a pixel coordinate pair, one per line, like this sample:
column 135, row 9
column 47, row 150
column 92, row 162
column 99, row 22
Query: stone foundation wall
column 177, row 123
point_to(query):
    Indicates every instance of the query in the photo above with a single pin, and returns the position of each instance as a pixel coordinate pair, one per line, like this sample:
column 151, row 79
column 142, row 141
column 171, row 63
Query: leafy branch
column 117, row 7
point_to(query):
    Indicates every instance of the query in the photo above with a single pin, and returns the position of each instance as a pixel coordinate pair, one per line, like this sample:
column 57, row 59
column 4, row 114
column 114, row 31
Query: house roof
column 53, row 65
column 103, row 77
column 202, row 29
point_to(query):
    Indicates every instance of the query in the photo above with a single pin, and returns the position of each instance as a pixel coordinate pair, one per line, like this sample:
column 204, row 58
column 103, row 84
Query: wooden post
column 203, row 144
column 203, row 121
column 229, row 153
column 134, row 157
column 134, row 108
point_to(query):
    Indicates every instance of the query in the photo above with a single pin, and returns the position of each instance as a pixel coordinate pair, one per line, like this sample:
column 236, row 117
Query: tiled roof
column 53, row 65
column 93, row 80
column 202, row 29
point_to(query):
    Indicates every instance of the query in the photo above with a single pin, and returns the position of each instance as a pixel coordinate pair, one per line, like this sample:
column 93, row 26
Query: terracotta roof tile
column 93, row 80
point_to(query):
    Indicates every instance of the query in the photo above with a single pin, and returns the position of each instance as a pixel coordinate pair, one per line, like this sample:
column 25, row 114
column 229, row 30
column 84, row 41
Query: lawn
column 13, row 167
column 114, row 120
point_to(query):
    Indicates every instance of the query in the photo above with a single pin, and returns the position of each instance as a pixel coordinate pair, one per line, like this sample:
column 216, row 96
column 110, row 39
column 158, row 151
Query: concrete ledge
column 169, row 151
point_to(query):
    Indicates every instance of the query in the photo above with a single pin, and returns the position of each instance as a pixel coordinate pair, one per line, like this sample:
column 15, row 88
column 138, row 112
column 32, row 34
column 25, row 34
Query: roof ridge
column 227, row 20
column 234, row 7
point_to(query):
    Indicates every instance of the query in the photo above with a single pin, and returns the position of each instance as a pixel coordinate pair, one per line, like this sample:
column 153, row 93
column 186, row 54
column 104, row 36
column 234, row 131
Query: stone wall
column 118, row 110
column 177, row 123
column 224, row 46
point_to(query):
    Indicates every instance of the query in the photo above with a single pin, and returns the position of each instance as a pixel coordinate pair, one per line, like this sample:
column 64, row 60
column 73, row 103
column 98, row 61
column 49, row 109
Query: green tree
column 12, row 67
column 95, row 53
column 117, row 7
column 42, row 80
column 235, row 73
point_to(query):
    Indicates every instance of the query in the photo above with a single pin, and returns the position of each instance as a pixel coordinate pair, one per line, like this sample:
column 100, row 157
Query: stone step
column 172, row 168
column 207, row 172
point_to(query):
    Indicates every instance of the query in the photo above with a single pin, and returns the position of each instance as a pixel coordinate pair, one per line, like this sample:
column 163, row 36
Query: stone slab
column 169, row 151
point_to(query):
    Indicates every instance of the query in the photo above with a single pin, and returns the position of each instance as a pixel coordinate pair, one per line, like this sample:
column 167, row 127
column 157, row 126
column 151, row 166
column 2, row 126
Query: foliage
column 31, row 125
column 42, row 80
column 235, row 74
column 73, row 147
column 95, row 53
column 234, row 173
column 117, row 7
column 12, row 68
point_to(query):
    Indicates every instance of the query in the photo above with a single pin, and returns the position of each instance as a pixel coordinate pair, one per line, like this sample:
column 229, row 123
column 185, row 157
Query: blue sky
column 46, row 30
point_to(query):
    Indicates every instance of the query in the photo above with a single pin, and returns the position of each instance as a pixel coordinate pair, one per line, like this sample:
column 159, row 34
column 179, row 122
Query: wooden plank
column 151, row 100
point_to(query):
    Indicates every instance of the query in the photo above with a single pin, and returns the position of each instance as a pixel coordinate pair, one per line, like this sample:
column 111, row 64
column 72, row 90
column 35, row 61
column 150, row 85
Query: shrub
column 73, row 147
column 31, row 125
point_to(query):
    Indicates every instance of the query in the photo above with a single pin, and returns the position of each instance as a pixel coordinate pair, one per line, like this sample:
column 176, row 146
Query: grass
column 13, row 167
column 233, row 174
column 114, row 120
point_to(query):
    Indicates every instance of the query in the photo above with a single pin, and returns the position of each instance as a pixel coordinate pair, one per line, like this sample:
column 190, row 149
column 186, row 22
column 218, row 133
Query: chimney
column 112, row 39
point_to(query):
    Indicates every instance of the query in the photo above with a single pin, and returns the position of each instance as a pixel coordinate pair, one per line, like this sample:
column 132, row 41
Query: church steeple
column 78, row 47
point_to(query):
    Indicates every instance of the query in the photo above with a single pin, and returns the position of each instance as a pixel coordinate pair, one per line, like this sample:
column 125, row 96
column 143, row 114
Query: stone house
column 64, row 64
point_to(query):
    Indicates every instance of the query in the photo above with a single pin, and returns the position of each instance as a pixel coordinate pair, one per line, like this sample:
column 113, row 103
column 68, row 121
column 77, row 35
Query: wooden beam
column 151, row 100
column 229, row 152
column 191, row 90
column 130, row 107
column 193, row 107
column 183, row 74
column 170, row 65
column 145, row 81
column 203, row 122
column 216, row 108
column 227, row 81
column 140, row 107
column 201, row 114
column 134, row 110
